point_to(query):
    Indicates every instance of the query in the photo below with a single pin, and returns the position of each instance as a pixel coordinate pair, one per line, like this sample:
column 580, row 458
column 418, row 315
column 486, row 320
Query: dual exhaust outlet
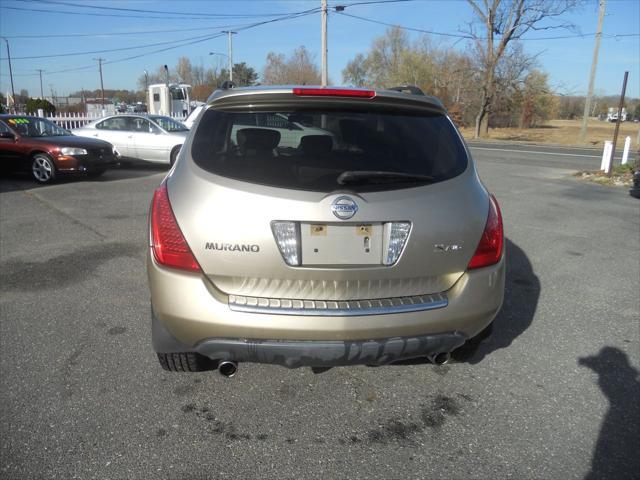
column 228, row 368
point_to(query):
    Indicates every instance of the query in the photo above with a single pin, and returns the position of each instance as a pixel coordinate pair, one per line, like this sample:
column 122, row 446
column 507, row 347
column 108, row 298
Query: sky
column 34, row 28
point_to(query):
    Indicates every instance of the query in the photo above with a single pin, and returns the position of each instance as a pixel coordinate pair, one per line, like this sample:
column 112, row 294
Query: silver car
column 371, row 242
column 153, row 138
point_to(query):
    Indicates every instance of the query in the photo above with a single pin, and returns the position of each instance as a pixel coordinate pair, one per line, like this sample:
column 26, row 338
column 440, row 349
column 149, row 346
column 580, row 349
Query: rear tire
column 43, row 170
column 174, row 155
column 185, row 362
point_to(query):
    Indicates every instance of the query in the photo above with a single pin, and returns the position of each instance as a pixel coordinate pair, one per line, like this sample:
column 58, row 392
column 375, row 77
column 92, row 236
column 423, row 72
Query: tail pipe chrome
column 227, row 368
column 440, row 358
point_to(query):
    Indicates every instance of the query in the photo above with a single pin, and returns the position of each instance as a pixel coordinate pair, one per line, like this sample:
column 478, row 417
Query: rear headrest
column 316, row 144
column 258, row 138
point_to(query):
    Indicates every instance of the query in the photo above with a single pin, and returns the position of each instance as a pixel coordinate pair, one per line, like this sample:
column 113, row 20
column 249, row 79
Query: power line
column 431, row 32
column 150, row 32
column 585, row 36
column 146, row 17
column 112, row 34
column 200, row 37
column 71, row 54
column 88, row 67
column 183, row 44
column 137, row 10
column 144, row 32
column 469, row 37
column 119, row 60
column 291, row 16
column 373, row 2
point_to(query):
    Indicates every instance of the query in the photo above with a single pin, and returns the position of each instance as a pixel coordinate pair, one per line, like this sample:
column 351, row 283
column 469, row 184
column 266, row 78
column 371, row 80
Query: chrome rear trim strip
column 337, row 308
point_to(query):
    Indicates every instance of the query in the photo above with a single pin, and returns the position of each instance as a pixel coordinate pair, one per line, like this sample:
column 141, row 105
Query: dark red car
column 45, row 150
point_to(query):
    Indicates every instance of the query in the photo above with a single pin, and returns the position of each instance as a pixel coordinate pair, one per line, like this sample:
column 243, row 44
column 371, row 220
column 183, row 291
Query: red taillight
column 334, row 92
column 169, row 245
column 489, row 249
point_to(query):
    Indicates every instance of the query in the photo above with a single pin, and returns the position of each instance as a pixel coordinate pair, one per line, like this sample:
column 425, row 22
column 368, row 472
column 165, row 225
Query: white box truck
column 612, row 115
column 171, row 99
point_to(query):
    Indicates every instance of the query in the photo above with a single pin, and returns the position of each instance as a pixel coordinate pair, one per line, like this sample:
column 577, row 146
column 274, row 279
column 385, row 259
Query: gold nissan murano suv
column 321, row 227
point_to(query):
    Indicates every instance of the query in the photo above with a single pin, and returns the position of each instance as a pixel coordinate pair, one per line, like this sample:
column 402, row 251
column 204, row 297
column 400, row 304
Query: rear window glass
column 312, row 150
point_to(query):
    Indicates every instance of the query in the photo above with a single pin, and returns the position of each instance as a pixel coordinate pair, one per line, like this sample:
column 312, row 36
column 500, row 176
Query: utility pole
column 615, row 132
column 146, row 87
column 324, row 42
column 230, row 33
column 13, row 92
column 100, row 60
column 39, row 70
column 592, row 77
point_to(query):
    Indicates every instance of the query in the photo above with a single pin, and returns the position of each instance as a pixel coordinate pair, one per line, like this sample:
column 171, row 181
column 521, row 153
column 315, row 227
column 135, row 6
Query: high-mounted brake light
column 334, row 92
column 168, row 244
column 489, row 249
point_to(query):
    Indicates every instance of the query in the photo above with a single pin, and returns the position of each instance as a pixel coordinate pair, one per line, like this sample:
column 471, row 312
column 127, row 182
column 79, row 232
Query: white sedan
column 153, row 138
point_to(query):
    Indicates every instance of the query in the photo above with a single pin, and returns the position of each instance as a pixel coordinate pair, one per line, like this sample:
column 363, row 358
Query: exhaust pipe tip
column 440, row 358
column 227, row 368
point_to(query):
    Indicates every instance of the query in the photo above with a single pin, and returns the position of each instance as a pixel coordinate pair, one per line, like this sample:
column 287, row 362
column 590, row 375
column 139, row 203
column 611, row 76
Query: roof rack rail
column 227, row 84
column 412, row 89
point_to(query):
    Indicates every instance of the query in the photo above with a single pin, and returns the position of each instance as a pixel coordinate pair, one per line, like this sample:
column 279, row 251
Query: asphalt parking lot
column 553, row 394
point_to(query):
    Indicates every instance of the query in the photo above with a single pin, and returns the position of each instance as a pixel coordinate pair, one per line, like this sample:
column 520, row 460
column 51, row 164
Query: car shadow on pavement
column 616, row 451
column 522, row 291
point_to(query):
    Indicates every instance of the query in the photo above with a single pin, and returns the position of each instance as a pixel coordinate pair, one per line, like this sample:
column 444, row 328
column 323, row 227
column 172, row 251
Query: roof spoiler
column 412, row 89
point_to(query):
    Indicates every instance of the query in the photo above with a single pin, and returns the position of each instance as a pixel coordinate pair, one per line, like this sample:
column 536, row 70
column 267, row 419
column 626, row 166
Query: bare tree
column 385, row 58
column 199, row 75
column 355, row 73
column 537, row 101
column 184, row 70
column 275, row 71
column 504, row 21
column 300, row 68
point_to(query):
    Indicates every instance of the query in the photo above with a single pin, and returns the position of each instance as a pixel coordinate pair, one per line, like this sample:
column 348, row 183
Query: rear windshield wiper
column 375, row 176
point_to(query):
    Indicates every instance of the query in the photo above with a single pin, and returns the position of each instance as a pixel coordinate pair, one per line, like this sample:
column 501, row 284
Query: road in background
column 553, row 394
column 577, row 158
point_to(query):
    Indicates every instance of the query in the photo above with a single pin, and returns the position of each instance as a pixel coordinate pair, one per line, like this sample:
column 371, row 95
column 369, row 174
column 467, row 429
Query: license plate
column 341, row 244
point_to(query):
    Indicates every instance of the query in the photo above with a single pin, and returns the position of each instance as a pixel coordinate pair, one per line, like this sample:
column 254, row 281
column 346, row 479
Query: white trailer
column 169, row 99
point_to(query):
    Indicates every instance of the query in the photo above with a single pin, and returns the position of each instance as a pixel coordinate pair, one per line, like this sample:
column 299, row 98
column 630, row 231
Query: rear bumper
column 294, row 354
column 191, row 315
